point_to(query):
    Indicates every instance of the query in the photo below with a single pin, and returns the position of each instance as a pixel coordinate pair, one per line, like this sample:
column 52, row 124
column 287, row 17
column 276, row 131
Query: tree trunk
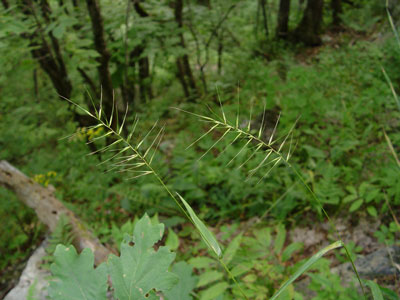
column 265, row 19
column 146, row 92
column 185, row 74
column 5, row 4
column 336, row 6
column 220, row 50
column 104, row 58
column 143, row 62
column 308, row 30
column 43, row 53
column 49, row 209
column 282, row 28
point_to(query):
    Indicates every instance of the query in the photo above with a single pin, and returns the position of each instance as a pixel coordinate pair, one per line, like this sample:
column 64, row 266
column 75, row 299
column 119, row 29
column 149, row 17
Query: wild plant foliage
column 273, row 151
column 74, row 276
column 132, row 157
column 140, row 272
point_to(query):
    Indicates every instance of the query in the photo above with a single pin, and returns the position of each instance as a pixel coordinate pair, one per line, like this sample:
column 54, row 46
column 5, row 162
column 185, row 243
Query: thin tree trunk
column 308, row 31
column 265, row 19
column 5, row 4
column 220, row 51
column 336, row 6
column 46, row 11
column 101, row 47
column 146, row 92
column 282, row 28
column 143, row 62
column 42, row 52
column 185, row 74
column 35, row 85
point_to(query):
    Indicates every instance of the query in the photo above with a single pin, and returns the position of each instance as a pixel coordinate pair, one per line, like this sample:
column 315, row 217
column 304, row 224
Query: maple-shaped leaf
column 140, row 270
column 187, row 282
column 74, row 276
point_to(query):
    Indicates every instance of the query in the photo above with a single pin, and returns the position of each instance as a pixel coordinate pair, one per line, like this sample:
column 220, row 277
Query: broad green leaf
column 75, row 276
column 232, row 249
column 280, row 239
column 140, row 269
column 350, row 198
column 351, row 189
column 201, row 262
column 389, row 294
column 372, row 211
column 363, row 188
column 242, row 268
column 287, row 253
column 206, row 234
column 208, row 277
column 214, row 291
column 263, row 236
column 306, row 266
column 250, row 278
column 187, row 282
column 172, row 241
column 356, row 205
column 372, row 195
column 376, row 291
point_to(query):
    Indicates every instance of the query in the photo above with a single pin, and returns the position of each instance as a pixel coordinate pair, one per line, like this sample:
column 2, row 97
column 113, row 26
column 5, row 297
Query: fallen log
column 49, row 209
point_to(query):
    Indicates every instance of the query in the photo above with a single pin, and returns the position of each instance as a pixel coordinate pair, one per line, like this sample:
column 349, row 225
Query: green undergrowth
column 342, row 102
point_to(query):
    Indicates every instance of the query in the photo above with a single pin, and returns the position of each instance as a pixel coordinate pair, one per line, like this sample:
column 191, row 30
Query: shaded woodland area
column 276, row 121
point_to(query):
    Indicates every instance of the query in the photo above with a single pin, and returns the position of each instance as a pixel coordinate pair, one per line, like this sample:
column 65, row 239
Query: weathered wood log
column 49, row 209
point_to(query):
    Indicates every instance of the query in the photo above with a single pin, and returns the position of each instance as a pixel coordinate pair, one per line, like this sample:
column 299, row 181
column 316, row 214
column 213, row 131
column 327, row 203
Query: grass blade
column 375, row 290
column 135, row 122
column 391, row 87
column 220, row 104
column 306, row 266
column 211, row 129
column 123, row 121
column 154, row 140
column 274, row 130
column 390, row 145
column 225, row 133
column 145, row 137
column 205, row 233
column 237, row 154
column 262, row 124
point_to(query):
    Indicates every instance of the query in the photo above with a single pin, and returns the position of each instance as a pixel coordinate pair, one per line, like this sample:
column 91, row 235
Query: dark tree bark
column 42, row 53
column 46, row 11
column 35, row 85
column 263, row 4
column 49, row 56
column 220, row 50
column 144, row 79
column 308, row 30
column 336, row 6
column 139, row 9
column 282, row 28
column 5, row 4
column 54, row 66
column 104, row 58
column 89, row 82
column 204, row 3
column 136, row 57
column 146, row 92
column 185, row 74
